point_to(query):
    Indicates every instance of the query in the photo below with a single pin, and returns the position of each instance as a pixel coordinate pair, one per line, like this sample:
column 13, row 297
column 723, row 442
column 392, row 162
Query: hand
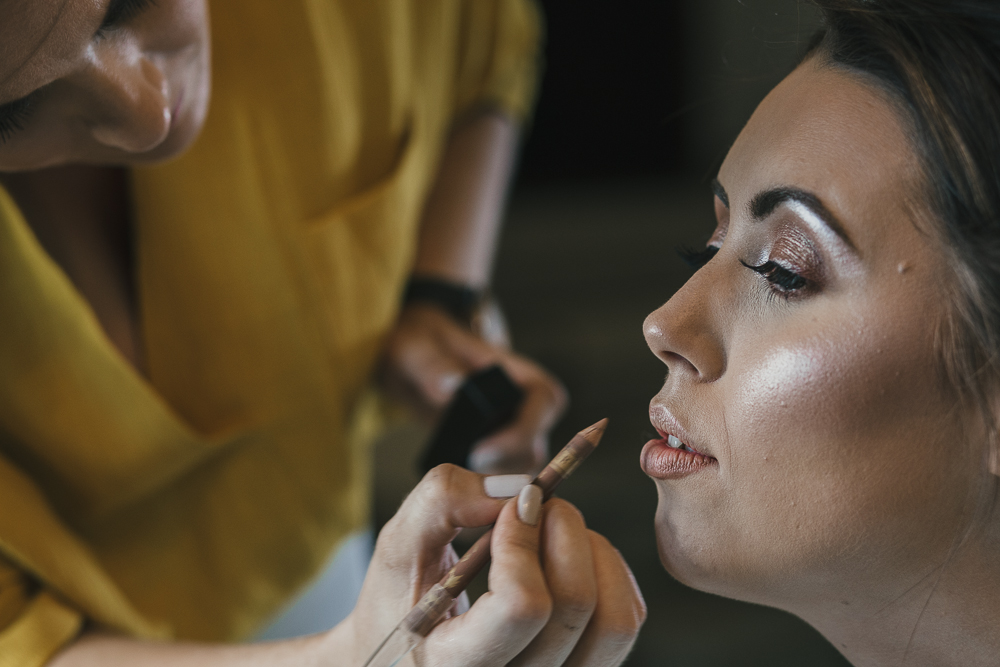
column 428, row 355
column 559, row 594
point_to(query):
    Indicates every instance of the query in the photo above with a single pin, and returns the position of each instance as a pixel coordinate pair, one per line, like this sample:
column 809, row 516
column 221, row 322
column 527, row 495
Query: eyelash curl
column 782, row 280
column 697, row 258
column 14, row 117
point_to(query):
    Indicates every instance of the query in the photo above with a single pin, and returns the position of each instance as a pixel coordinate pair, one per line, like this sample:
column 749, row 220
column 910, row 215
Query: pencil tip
column 594, row 434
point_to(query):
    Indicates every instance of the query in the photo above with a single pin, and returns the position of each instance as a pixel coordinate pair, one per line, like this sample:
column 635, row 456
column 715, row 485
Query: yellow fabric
column 271, row 256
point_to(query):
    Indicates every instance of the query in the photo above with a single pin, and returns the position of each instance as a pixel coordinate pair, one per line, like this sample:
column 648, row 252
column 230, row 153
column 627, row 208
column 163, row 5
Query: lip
column 660, row 460
column 177, row 107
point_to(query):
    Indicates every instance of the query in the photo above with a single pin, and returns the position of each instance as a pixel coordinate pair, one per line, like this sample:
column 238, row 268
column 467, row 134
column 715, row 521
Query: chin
column 696, row 557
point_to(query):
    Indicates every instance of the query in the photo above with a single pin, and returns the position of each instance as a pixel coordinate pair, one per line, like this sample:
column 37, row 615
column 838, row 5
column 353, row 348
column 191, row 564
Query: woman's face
column 802, row 366
column 100, row 81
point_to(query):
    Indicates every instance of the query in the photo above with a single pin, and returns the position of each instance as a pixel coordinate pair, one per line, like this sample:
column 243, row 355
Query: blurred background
column 639, row 103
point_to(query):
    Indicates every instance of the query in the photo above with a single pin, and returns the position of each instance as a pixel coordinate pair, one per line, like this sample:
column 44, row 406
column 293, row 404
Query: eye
column 13, row 117
column 122, row 11
column 697, row 258
column 783, row 281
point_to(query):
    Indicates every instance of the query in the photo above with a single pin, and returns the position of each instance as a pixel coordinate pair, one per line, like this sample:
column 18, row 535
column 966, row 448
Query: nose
column 686, row 332
column 130, row 109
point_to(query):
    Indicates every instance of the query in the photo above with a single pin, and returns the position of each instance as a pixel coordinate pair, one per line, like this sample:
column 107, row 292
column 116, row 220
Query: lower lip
column 662, row 461
column 177, row 107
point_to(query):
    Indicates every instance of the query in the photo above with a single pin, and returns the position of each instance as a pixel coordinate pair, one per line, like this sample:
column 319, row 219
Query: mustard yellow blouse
column 271, row 256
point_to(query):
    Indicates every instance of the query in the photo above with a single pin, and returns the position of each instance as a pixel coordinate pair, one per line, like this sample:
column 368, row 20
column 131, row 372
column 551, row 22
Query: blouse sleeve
column 499, row 54
column 34, row 625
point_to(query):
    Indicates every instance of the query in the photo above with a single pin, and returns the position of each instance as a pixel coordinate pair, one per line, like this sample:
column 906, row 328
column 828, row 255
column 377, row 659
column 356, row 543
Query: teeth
column 674, row 442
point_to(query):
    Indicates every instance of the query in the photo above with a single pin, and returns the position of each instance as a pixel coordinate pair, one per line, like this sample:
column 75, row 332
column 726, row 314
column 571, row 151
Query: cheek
column 843, row 440
column 835, row 457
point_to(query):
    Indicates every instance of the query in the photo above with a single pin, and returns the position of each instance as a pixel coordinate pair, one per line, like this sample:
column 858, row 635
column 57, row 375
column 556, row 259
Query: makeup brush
column 432, row 607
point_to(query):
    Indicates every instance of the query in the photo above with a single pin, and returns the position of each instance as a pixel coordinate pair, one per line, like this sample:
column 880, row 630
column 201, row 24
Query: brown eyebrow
column 764, row 203
column 720, row 191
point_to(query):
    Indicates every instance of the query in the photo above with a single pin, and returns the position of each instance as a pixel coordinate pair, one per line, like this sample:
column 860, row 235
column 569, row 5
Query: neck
column 81, row 216
column 946, row 616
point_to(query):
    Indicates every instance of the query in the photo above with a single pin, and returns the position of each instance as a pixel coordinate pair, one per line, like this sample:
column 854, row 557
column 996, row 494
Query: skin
column 845, row 476
column 137, row 92
column 577, row 605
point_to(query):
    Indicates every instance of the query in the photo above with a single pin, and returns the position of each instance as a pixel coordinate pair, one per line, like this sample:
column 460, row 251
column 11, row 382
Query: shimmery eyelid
column 796, row 251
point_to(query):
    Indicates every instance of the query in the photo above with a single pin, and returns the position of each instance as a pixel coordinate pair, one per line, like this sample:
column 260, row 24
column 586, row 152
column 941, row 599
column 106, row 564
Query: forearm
column 461, row 223
column 99, row 650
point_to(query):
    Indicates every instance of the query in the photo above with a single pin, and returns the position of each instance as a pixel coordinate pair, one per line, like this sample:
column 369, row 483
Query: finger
column 570, row 578
column 447, row 499
column 618, row 616
column 426, row 361
column 523, row 445
column 505, row 620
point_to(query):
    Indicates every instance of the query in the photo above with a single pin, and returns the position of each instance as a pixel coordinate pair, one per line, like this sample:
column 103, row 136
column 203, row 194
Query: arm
column 559, row 595
column 458, row 235
column 429, row 354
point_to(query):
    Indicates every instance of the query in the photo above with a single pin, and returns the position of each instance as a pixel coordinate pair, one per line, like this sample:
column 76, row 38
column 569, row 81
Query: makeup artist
column 829, row 423
column 187, row 347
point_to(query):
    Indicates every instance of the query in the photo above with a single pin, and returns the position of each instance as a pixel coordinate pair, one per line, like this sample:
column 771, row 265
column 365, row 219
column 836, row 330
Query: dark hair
column 940, row 59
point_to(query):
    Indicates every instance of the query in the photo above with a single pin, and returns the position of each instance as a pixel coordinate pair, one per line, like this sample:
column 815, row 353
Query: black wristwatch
column 459, row 301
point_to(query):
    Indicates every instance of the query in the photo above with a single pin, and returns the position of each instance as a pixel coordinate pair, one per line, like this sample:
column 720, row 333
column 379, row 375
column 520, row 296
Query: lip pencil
column 432, row 607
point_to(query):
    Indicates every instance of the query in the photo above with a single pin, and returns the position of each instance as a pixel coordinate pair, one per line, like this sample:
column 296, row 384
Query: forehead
column 38, row 40
column 833, row 133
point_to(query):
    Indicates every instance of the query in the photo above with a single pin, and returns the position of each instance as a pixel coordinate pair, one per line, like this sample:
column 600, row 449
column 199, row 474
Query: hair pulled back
column 940, row 59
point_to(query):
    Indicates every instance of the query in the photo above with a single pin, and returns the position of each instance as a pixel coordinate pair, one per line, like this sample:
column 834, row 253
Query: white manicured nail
column 529, row 504
column 505, row 486
column 449, row 383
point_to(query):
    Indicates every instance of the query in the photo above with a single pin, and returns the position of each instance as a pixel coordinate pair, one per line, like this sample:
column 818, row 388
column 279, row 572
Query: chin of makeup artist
column 439, row 341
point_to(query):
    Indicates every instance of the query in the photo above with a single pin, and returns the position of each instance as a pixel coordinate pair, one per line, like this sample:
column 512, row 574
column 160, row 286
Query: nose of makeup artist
column 683, row 335
column 131, row 111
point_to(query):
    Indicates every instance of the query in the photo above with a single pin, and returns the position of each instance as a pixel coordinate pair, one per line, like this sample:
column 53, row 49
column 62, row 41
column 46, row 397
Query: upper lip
column 667, row 424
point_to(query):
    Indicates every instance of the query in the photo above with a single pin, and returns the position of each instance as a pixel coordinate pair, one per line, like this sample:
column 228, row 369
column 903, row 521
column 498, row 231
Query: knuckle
column 575, row 606
column 439, row 483
column 563, row 510
column 528, row 607
column 621, row 627
column 523, row 541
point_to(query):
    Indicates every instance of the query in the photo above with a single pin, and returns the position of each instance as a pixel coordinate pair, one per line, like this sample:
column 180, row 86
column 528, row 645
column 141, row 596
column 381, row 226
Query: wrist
column 461, row 302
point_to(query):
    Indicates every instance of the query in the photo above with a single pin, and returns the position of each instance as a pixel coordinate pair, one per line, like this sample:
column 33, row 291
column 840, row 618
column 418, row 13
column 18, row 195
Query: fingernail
column 505, row 486
column 449, row 383
column 529, row 504
column 483, row 460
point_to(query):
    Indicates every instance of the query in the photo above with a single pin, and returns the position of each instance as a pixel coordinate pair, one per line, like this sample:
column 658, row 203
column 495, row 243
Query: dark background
column 640, row 87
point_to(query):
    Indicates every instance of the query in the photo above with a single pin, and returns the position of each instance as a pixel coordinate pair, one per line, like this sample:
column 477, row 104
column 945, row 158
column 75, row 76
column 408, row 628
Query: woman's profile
column 829, row 419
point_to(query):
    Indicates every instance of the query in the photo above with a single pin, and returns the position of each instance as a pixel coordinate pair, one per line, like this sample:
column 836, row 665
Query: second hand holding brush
column 436, row 603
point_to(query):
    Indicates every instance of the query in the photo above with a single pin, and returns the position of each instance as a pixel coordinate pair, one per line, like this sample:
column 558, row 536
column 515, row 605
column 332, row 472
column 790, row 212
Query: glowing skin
column 136, row 92
column 836, row 472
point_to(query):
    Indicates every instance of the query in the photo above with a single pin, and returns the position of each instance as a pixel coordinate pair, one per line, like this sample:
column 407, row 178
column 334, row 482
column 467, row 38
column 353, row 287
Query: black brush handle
column 486, row 402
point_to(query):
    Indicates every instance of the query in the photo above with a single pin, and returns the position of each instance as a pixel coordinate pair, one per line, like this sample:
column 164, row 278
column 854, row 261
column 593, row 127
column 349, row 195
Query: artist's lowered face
column 828, row 459
column 100, row 81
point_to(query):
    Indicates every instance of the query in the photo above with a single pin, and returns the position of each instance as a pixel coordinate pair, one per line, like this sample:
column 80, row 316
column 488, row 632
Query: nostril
column 132, row 111
column 137, row 133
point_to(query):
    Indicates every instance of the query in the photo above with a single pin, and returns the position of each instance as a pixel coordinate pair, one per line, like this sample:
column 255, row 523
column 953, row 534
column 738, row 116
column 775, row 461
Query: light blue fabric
column 331, row 597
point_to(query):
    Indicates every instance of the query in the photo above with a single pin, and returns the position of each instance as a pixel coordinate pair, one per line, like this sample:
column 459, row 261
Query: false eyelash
column 122, row 11
column 697, row 258
column 785, row 280
column 13, row 117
